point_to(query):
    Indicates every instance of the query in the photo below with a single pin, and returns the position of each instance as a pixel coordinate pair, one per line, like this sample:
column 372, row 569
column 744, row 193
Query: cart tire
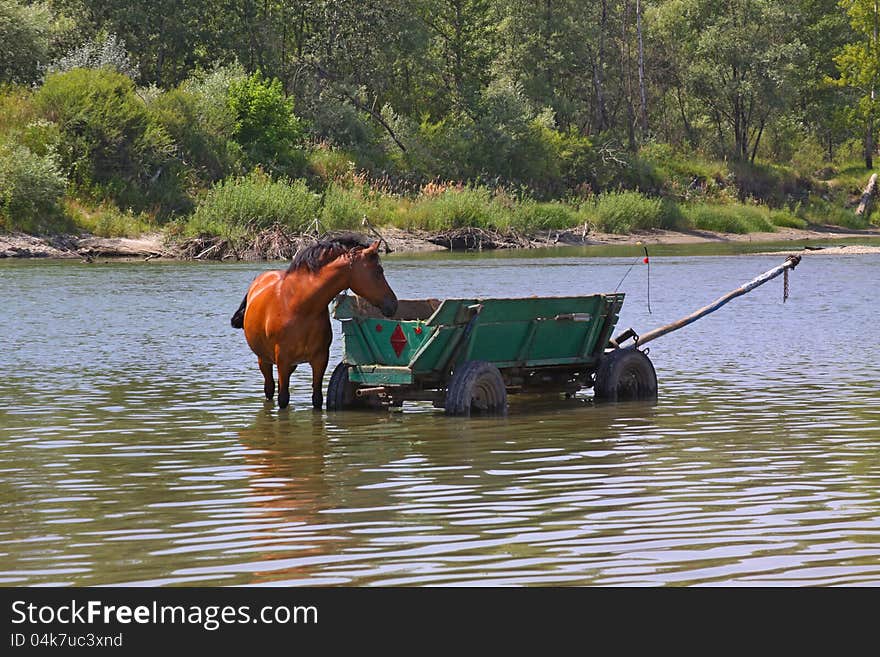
column 341, row 392
column 476, row 387
column 626, row 375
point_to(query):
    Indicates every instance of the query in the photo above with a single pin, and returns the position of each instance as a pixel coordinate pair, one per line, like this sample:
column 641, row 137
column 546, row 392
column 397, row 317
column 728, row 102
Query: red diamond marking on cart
column 398, row 340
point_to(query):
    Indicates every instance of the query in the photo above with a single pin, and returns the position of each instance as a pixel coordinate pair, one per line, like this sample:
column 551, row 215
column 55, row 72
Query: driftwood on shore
column 476, row 239
column 274, row 243
column 479, row 239
column 867, row 195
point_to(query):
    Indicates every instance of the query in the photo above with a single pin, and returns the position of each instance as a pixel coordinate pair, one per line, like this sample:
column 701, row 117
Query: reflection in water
column 135, row 447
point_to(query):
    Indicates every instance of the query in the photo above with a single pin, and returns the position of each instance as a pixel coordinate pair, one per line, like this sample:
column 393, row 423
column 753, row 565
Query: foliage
column 728, row 218
column 266, row 126
column 206, row 155
column 541, row 116
column 859, row 66
column 108, row 143
column 31, row 187
column 738, row 58
column 623, row 212
column 235, row 206
column 106, row 51
column 107, row 220
column 24, row 40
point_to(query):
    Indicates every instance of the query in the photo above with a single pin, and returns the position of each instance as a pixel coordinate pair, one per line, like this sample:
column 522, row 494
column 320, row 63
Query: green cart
column 467, row 355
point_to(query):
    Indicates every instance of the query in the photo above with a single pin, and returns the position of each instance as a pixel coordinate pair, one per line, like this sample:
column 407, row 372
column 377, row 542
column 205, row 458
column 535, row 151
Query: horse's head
column 368, row 279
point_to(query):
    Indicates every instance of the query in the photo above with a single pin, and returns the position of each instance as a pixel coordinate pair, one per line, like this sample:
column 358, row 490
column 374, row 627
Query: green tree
column 266, row 127
column 25, row 34
column 165, row 38
column 859, row 65
column 819, row 104
column 738, row 59
column 462, row 44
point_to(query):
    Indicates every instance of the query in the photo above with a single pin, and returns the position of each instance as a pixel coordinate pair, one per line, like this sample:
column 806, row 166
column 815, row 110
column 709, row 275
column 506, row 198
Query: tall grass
column 530, row 216
column 819, row 211
column 344, row 208
column 786, row 219
column 236, row 206
column 728, row 218
column 623, row 212
column 457, row 208
column 106, row 220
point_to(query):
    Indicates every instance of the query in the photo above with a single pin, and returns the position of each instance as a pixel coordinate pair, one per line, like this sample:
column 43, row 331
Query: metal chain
column 785, row 286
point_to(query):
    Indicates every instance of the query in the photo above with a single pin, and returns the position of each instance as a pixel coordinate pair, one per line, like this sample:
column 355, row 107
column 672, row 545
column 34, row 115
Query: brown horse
column 285, row 317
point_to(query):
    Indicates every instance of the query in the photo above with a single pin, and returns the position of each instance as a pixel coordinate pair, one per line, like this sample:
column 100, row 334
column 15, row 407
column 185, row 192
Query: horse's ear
column 373, row 248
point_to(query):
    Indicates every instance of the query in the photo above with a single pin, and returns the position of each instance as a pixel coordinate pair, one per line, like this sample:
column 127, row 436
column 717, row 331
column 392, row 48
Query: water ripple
column 135, row 448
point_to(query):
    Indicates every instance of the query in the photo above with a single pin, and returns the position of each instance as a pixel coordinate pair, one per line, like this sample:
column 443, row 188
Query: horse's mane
column 327, row 250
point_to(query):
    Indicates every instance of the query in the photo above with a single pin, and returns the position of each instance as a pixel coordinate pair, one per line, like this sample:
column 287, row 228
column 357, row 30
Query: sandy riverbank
column 154, row 245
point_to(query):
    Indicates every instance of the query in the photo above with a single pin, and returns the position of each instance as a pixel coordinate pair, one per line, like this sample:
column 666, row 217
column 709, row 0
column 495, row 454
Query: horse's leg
column 284, row 371
column 268, row 381
column 319, row 366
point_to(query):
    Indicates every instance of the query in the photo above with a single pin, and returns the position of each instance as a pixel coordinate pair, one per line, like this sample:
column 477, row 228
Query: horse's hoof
column 283, row 400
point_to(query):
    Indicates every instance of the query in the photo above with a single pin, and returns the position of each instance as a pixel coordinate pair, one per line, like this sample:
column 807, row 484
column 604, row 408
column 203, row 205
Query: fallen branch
column 867, row 195
column 207, row 251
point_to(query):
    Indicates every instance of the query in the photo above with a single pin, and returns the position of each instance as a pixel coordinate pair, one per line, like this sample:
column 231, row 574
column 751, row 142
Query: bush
column 623, row 212
column 209, row 91
column 31, row 187
column 106, row 51
column 330, row 165
column 25, row 31
column 206, row 153
column 108, row 143
column 337, row 122
column 236, row 206
column 503, row 141
column 266, row 126
column 733, row 218
column 17, row 110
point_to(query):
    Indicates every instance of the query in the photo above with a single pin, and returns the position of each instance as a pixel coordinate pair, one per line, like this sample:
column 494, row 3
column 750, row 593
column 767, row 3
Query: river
column 135, row 447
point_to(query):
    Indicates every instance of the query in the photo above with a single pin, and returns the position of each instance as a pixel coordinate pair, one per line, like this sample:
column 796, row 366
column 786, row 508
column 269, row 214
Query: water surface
column 135, row 447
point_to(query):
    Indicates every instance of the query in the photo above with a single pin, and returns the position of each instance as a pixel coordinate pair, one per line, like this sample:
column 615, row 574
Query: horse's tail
column 237, row 320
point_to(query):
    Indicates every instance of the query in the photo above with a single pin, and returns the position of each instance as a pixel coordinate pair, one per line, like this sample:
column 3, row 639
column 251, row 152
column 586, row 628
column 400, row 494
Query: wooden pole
column 869, row 192
column 790, row 263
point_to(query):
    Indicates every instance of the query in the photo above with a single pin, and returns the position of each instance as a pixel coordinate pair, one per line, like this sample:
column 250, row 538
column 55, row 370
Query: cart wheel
column 476, row 387
column 626, row 375
column 341, row 392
